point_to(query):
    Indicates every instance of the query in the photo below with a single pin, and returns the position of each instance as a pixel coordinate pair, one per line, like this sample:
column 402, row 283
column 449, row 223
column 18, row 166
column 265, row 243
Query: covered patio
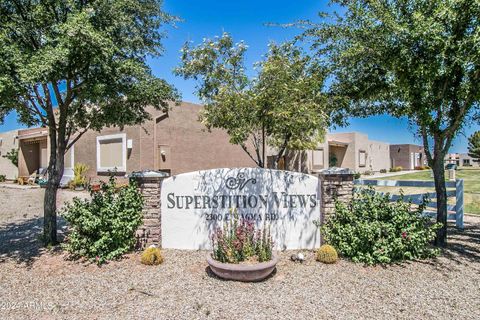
column 33, row 153
column 336, row 153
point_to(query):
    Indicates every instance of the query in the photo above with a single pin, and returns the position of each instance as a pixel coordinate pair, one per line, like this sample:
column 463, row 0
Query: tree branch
column 282, row 149
column 50, row 114
column 58, row 95
column 69, row 94
column 38, row 96
column 426, row 146
column 256, row 145
column 37, row 111
column 249, row 154
column 80, row 134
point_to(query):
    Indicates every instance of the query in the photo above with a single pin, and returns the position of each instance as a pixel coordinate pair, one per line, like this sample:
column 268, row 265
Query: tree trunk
column 441, row 190
column 264, row 146
column 275, row 163
column 50, row 212
column 55, row 173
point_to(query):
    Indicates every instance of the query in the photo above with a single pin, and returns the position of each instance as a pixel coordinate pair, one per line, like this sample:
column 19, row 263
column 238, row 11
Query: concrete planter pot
column 242, row 272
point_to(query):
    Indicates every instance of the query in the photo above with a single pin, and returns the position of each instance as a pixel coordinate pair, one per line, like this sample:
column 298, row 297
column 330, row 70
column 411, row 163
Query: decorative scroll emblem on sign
column 239, row 182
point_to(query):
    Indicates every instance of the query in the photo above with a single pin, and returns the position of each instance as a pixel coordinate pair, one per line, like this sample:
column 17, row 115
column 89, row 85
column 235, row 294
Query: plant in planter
column 94, row 185
column 241, row 251
column 79, row 178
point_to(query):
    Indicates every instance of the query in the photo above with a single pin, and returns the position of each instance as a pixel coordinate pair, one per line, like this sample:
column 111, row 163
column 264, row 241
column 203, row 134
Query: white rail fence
column 455, row 212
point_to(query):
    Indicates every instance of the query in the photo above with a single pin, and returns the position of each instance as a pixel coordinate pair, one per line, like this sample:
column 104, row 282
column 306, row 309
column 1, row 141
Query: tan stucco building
column 8, row 141
column 407, row 156
column 176, row 142
column 351, row 150
column 462, row 159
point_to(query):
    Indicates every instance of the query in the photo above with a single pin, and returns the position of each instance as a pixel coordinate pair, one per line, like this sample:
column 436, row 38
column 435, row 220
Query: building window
column 362, row 158
column 318, row 159
column 466, row 162
column 112, row 153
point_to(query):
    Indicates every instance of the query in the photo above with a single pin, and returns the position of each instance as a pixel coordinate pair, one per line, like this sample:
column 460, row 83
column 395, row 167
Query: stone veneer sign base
column 194, row 204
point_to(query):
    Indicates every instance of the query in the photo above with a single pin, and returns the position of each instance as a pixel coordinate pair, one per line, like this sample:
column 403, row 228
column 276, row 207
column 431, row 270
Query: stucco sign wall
column 194, row 204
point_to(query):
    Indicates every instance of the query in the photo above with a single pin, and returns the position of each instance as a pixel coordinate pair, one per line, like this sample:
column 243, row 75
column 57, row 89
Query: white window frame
column 122, row 136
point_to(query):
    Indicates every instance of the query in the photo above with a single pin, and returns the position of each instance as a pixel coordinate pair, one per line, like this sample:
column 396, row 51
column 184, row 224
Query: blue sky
column 245, row 20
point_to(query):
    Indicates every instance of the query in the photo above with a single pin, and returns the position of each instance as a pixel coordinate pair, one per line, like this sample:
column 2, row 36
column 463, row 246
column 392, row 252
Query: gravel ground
column 41, row 284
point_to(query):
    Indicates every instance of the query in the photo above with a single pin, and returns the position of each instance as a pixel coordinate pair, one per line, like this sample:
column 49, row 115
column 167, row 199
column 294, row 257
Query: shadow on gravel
column 464, row 245
column 21, row 241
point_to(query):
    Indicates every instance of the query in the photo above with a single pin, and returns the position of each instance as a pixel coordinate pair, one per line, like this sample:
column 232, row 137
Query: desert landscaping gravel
column 37, row 283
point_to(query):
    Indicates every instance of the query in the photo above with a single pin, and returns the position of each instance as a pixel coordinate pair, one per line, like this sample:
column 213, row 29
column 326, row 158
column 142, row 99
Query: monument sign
column 193, row 204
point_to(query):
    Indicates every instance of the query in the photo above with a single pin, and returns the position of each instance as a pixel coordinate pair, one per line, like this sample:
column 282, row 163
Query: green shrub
column 327, row 254
column 371, row 229
column 152, row 256
column 357, row 175
column 2, row 178
column 383, row 170
column 103, row 228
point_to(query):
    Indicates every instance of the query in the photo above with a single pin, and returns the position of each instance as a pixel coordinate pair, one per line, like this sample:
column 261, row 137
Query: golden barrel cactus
column 327, row 254
column 151, row 256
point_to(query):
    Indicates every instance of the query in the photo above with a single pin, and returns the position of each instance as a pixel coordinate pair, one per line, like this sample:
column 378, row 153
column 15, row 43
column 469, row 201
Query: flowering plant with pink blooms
column 238, row 240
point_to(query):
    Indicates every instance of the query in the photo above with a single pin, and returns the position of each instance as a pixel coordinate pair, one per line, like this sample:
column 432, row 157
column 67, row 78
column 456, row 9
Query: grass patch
column 471, row 180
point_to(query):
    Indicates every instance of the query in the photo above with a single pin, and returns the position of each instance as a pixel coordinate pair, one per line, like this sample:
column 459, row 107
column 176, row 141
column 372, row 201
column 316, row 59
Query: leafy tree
column 282, row 107
column 12, row 155
column 474, row 146
column 77, row 65
column 414, row 58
